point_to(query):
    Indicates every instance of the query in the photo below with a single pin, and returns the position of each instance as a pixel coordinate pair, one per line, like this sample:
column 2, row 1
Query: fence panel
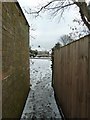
column 71, row 76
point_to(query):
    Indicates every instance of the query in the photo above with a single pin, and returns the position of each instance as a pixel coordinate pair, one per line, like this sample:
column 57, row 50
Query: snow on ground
column 41, row 102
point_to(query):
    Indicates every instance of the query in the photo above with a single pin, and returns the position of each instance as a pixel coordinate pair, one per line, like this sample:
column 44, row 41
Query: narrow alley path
column 41, row 102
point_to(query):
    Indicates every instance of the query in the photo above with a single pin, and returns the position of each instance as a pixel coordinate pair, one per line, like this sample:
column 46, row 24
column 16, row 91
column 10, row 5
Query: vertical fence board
column 88, row 84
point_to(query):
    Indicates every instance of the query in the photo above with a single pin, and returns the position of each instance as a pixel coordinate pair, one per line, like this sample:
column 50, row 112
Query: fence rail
column 71, row 78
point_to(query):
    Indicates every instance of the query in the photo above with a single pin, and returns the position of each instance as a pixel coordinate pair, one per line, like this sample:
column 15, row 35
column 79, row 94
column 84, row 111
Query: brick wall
column 15, row 60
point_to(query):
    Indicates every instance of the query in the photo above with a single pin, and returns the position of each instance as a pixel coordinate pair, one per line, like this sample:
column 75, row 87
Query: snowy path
column 40, row 102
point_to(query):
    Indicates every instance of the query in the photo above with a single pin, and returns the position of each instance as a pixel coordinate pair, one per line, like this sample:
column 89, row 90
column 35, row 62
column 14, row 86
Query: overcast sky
column 47, row 31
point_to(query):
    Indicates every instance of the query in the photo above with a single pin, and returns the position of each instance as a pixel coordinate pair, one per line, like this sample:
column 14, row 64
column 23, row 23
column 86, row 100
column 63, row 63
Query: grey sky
column 47, row 30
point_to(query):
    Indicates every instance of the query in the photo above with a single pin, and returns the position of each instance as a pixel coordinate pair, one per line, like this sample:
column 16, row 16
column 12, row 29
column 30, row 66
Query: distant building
column 43, row 54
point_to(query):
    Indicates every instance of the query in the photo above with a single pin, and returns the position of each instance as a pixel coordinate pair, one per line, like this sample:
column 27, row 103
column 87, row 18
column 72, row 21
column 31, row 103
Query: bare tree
column 80, row 31
column 57, row 7
column 32, row 29
column 65, row 39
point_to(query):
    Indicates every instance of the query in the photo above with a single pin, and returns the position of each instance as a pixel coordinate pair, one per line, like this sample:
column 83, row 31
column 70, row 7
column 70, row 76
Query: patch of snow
column 41, row 102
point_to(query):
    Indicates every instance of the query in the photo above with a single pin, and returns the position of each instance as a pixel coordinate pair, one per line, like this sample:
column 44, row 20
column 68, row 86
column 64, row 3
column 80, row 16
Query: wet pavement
column 41, row 103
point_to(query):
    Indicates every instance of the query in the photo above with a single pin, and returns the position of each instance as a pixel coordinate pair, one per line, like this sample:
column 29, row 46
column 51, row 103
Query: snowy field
column 40, row 102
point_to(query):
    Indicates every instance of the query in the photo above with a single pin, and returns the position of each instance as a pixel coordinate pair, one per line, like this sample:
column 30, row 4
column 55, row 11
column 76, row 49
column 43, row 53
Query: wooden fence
column 71, row 78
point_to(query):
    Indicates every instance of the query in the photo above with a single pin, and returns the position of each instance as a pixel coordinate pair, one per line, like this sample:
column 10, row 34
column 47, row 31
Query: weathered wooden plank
column 88, row 83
